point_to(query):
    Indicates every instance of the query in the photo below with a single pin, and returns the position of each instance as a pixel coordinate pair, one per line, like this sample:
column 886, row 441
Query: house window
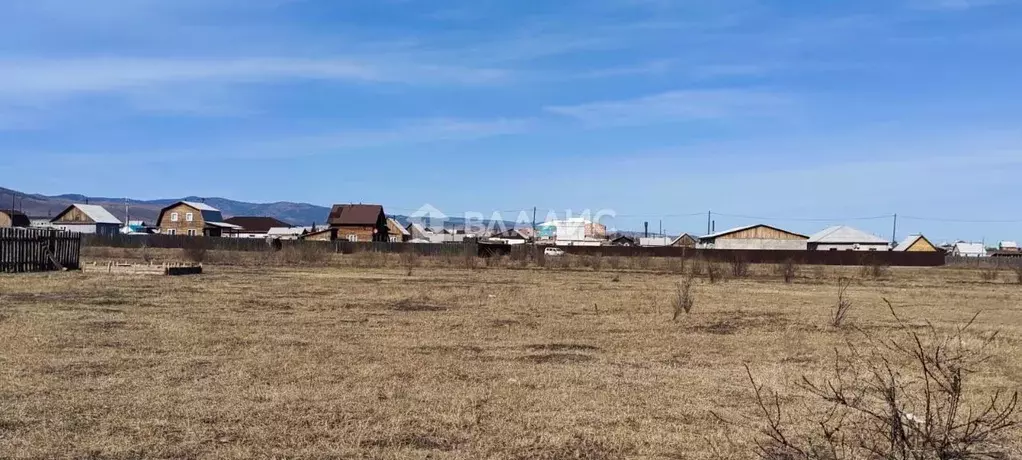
column 173, row 217
column 189, row 217
column 171, row 232
column 191, row 231
column 395, row 239
column 353, row 238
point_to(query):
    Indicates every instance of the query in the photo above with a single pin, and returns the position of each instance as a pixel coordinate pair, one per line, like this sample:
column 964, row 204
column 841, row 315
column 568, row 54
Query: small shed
column 655, row 241
column 11, row 218
column 88, row 219
column 759, row 236
column 915, row 243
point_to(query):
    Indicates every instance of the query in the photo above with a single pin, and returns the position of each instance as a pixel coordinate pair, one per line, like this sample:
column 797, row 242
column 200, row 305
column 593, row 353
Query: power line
column 961, row 221
column 803, row 219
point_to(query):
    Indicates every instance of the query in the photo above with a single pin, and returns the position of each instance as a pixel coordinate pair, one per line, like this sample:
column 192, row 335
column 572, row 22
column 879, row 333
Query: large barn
column 758, row 236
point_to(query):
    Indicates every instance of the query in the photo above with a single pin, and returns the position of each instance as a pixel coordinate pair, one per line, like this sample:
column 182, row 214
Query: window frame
column 174, row 217
column 189, row 217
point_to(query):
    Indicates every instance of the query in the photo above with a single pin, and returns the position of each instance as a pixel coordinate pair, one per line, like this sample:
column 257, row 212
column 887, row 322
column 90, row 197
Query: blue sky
column 657, row 109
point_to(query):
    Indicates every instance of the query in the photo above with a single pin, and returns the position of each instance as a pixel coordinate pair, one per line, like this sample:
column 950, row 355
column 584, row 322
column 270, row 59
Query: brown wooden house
column 359, row 222
column 758, row 236
column 327, row 234
column 396, row 232
column 186, row 218
column 87, row 218
column 11, row 218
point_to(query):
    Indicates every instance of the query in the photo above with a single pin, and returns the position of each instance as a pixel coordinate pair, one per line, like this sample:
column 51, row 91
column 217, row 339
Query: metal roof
column 224, row 225
column 355, row 214
column 97, row 213
column 201, row 206
column 746, row 227
column 971, row 248
column 845, row 234
column 286, row 231
column 257, row 224
column 395, row 225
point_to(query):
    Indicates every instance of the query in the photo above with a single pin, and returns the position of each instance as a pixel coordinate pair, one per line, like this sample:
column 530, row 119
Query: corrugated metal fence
column 34, row 250
column 907, row 259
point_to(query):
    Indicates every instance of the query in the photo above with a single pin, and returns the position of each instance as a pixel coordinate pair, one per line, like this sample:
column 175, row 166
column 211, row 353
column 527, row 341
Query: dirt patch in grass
column 418, row 441
column 561, row 347
column 557, row 358
column 416, row 305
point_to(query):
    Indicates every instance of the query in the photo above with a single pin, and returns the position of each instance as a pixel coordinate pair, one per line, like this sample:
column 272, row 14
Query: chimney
column 645, row 231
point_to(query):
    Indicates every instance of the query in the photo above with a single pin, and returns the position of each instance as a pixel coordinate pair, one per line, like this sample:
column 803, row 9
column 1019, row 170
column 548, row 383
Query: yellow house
column 916, row 243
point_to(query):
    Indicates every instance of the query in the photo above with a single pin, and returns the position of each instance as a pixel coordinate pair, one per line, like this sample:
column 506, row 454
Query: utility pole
column 709, row 215
column 534, row 225
column 894, row 233
column 661, row 227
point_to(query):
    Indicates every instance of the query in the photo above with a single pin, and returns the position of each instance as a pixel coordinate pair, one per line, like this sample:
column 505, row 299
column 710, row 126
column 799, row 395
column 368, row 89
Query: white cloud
column 675, row 106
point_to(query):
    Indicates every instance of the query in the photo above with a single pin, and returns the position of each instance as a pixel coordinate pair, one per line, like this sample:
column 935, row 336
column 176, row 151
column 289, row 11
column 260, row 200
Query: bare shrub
column 368, row 259
column 541, row 261
column 989, row 274
column 903, row 397
column 715, row 272
column 739, row 267
column 410, row 260
column 843, row 305
column 614, row 262
column 697, row 267
column 642, row 262
column 594, row 261
column 147, row 255
column 1018, row 273
column 194, row 250
column 676, row 265
column 788, row 270
column 874, row 270
column 470, row 261
column 303, row 254
column 683, row 300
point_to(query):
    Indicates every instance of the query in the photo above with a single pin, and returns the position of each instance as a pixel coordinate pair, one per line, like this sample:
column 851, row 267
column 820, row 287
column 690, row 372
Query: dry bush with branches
column 715, row 272
column 614, row 262
column 843, row 306
column 642, row 262
column 683, row 300
column 303, row 254
column 901, row 397
column 989, row 274
column 874, row 270
column 788, row 270
column 1018, row 273
column 410, row 260
column 194, row 250
column 739, row 267
column 675, row 265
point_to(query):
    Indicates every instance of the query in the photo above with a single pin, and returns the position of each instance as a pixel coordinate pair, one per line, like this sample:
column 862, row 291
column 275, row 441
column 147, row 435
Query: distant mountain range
column 36, row 205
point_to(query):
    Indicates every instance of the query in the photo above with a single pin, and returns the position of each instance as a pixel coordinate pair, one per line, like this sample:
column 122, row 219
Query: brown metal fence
column 34, row 250
column 890, row 258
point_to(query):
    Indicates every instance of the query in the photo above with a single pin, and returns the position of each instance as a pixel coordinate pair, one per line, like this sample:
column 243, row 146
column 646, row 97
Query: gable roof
column 846, row 235
column 909, row 241
column 514, row 233
column 970, row 248
column 257, row 224
column 747, row 227
column 395, row 226
column 209, row 213
column 286, row 231
column 18, row 218
column 684, row 236
column 95, row 212
column 355, row 214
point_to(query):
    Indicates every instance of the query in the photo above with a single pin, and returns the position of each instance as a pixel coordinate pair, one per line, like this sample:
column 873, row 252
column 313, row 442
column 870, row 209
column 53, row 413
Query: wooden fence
column 891, row 258
column 34, row 250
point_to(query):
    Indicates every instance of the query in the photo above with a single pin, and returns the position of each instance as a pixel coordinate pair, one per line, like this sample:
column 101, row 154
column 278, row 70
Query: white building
column 87, row 218
column 655, row 241
column 576, row 231
column 963, row 249
column 1008, row 246
column 844, row 238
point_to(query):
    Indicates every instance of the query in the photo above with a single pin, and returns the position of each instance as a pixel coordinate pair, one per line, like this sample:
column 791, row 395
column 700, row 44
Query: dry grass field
column 340, row 360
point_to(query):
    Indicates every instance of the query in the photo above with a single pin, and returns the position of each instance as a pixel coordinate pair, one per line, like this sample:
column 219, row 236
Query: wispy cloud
column 677, row 106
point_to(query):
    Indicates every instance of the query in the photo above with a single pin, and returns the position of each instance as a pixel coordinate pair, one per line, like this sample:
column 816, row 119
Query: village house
column 512, row 236
column 254, row 226
column 844, row 238
column 963, row 249
column 87, row 218
column 396, row 232
column 684, row 241
column 760, row 236
column 11, row 218
column 622, row 240
column 187, row 218
column 359, row 222
column 916, row 243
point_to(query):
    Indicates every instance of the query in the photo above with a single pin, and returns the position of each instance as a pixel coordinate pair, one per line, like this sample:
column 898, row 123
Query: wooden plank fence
column 34, row 250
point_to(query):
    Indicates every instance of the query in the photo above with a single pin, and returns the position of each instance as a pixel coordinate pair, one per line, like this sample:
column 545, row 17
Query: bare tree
column 843, row 304
column 879, row 408
column 683, row 300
